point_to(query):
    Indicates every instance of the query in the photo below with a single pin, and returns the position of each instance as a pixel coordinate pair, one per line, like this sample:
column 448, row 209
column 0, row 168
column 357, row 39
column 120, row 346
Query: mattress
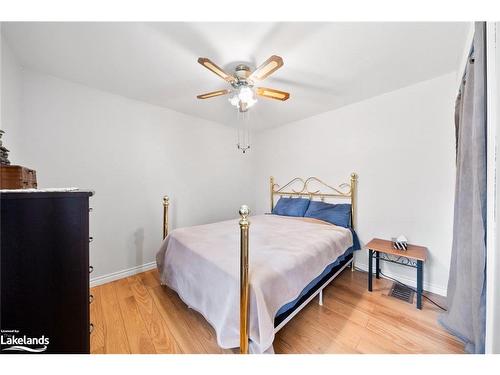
column 317, row 281
column 202, row 265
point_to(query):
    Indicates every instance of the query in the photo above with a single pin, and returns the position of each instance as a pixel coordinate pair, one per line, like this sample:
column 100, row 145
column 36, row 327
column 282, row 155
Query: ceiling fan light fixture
column 234, row 100
column 251, row 102
column 246, row 94
column 243, row 98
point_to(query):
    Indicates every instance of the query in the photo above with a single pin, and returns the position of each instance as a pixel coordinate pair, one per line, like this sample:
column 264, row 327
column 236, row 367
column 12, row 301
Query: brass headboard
column 345, row 190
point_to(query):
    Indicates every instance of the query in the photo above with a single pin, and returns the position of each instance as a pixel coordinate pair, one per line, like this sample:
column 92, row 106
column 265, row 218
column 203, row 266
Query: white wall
column 10, row 94
column 464, row 57
column 402, row 146
column 131, row 154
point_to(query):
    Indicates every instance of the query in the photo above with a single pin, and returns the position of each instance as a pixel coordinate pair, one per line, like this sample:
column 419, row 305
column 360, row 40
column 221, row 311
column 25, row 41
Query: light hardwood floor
column 137, row 315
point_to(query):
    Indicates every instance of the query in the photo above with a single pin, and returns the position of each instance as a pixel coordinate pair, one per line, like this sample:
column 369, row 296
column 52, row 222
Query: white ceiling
column 326, row 65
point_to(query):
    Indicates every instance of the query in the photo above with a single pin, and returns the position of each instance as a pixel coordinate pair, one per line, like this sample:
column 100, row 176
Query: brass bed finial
column 244, row 212
column 244, row 284
column 166, row 203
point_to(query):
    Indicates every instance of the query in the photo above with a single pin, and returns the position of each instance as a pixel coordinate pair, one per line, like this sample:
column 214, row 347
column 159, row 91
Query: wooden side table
column 383, row 250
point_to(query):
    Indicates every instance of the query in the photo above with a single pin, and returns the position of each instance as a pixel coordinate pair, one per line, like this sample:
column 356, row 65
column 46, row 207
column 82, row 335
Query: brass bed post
column 271, row 191
column 354, row 182
column 166, row 202
column 244, row 284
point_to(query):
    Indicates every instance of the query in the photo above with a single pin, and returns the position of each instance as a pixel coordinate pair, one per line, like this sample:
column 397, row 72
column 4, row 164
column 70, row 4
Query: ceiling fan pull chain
column 243, row 131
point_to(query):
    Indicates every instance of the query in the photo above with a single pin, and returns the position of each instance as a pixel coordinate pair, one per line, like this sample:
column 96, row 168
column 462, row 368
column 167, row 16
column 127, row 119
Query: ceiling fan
column 243, row 92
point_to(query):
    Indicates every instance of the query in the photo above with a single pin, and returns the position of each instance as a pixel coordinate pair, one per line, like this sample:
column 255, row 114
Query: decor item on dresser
column 14, row 176
column 4, row 153
column 17, row 177
column 45, row 270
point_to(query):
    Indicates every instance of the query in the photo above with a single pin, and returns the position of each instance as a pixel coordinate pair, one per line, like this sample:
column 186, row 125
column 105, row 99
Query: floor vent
column 401, row 292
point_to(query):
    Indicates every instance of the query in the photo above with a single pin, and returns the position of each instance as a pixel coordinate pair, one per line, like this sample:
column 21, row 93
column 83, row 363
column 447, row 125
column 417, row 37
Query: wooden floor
column 137, row 315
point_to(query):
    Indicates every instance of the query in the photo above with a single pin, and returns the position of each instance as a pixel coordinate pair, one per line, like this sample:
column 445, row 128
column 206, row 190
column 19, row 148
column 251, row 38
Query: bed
column 283, row 263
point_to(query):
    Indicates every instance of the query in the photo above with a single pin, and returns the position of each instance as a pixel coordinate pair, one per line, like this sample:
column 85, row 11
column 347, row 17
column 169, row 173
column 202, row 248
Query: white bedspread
column 202, row 265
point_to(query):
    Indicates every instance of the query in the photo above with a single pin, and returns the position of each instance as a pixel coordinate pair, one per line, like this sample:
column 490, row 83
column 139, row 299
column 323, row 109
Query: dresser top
column 45, row 193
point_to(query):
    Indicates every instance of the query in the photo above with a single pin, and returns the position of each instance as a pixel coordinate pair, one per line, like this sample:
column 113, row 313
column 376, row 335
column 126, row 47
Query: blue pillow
column 338, row 214
column 291, row 206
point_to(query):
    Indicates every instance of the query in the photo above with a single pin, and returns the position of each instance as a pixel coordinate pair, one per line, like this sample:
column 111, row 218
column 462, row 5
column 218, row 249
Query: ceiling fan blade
column 212, row 94
column 267, row 68
column 272, row 93
column 210, row 65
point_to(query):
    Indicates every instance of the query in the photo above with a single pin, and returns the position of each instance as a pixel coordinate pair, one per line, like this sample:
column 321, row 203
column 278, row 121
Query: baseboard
column 433, row 288
column 99, row 280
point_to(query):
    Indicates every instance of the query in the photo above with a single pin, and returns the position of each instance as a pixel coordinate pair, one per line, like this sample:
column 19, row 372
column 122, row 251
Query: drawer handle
column 91, row 299
column 91, row 239
column 91, row 209
column 91, row 328
column 91, row 269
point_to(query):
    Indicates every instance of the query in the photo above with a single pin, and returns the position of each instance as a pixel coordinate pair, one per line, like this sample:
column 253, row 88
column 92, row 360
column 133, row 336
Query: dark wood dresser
column 44, row 256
